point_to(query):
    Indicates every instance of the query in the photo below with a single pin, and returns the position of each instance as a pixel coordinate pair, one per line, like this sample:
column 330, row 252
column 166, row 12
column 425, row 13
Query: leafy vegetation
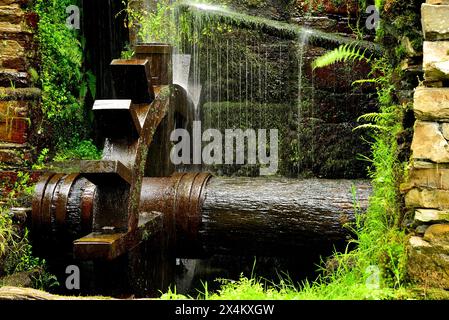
column 78, row 150
column 64, row 81
column 155, row 25
column 15, row 248
column 62, row 129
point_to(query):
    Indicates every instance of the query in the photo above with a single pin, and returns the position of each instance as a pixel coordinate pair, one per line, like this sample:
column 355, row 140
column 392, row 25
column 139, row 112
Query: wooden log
column 16, row 293
column 278, row 216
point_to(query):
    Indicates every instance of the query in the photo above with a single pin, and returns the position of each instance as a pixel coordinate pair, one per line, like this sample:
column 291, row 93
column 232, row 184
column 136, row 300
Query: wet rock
column 321, row 23
column 324, row 149
column 435, row 21
column 428, row 264
column 436, row 60
column 429, row 143
column 431, row 103
column 338, row 77
column 437, row 199
column 430, row 215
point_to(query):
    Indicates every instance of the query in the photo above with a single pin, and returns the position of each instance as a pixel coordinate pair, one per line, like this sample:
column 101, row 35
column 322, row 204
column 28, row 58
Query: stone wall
column 18, row 98
column 427, row 189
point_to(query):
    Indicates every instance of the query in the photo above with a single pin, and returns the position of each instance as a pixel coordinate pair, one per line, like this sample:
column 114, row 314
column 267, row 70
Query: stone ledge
column 10, row 28
column 430, row 215
column 427, row 178
column 14, row 157
column 435, row 21
column 437, row 2
column 8, row 2
column 19, row 79
column 423, row 164
column 429, row 143
column 427, row 198
column 27, row 94
column 11, row 13
column 431, row 103
column 436, row 60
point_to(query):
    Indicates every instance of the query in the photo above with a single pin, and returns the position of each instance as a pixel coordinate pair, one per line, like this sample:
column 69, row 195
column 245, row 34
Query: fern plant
column 344, row 53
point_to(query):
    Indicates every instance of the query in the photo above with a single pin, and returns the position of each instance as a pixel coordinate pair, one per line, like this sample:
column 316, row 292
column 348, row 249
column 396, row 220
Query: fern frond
column 363, row 81
column 344, row 53
column 370, row 126
column 373, row 117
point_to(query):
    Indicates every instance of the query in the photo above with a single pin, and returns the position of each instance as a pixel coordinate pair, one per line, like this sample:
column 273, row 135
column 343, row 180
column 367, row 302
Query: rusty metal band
column 37, row 200
column 183, row 191
column 48, row 200
column 87, row 207
column 177, row 178
column 197, row 199
column 63, row 197
column 189, row 199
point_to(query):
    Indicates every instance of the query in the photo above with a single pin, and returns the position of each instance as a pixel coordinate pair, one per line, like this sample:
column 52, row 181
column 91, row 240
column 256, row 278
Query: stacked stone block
column 17, row 95
column 427, row 189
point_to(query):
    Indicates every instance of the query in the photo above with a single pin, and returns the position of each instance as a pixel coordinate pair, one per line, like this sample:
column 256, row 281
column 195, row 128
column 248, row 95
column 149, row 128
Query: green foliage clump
column 64, row 81
column 154, row 24
column 78, row 150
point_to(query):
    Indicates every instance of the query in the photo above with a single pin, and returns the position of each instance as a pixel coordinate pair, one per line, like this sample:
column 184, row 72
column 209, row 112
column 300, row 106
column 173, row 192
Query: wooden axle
column 199, row 215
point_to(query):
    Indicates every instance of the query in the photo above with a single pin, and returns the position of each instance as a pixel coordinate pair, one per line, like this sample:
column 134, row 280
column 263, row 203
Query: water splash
column 181, row 69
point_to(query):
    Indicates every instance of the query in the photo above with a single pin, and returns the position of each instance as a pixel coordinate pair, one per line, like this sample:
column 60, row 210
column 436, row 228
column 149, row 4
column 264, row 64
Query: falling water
column 302, row 46
column 235, row 77
column 181, row 69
